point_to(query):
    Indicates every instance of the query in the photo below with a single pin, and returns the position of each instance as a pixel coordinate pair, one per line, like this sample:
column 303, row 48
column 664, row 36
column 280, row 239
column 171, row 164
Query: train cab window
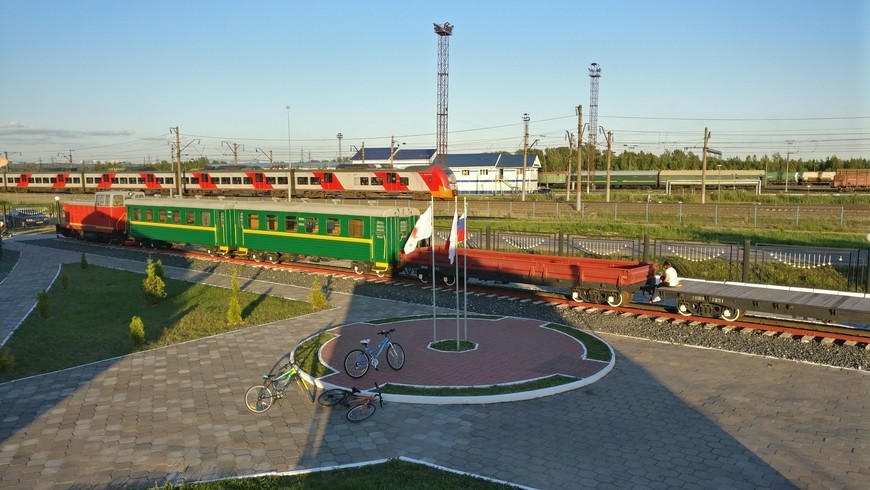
column 190, row 217
column 161, row 216
column 149, row 215
column 176, row 218
column 253, row 221
column 301, row 180
column 363, row 181
column 290, row 223
column 315, row 180
column 271, row 222
column 311, row 225
column 204, row 218
column 117, row 200
column 258, row 178
column 237, row 180
column 404, row 181
column 355, row 228
column 327, row 178
column 391, row 178
column 101, row 200
column 333, row 226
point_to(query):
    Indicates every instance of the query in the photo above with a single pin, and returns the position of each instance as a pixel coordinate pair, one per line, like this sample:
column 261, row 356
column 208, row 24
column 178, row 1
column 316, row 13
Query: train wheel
column 256, row 256
column 211, row 251
column 578, row 296
column 361, row 268
column 272, row 258
column 615, row 298
column 684, row 309
column 424, row 276
column 449, row 280
column 730, row 314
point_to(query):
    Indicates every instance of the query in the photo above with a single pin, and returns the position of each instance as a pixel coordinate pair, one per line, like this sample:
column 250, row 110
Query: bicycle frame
column 288, row 376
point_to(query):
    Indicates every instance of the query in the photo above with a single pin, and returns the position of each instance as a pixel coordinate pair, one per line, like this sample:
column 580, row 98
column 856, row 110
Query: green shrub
column 137, row 331
column 43, row 305
column 84, row 262
column 234, row 312
column 7, row 360
column 317, row 298
column 64, row 280
column 154, row 288
column 155, row 267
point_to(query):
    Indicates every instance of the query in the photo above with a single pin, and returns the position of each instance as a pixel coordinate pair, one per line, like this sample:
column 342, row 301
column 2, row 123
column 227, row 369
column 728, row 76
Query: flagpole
column 456, row 264
column 432, row 248
column 465, row 263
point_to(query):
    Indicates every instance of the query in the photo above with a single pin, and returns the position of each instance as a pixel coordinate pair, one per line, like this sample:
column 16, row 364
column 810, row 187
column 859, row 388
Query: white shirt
column 671, row 277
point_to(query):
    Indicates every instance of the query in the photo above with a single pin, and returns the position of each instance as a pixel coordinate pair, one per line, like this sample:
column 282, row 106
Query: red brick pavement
column 509, row 350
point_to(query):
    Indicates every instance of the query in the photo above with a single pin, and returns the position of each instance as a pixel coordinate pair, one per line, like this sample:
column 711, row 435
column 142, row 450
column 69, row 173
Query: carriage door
column 379, row 240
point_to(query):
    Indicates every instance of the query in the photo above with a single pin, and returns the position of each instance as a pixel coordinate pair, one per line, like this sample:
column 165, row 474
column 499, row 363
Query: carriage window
column 377, row 181
column 254, row 221
column 270, row 180
column 302, row 180
column 137, row 215
column 379, row 229
column 225, row 180
column 355, row 227
column 403, row 227
column 484, row 171
column 290, row 223
column 237, row 180
column 204, row 218
column 465, row 173
column 271, row 222
column 403, row 181
column 363, row 181
column 169, row 180
column 149, row 215
column 176, row 218
column 311, row 225
column 282, row 180
column 315, row 180
column 247, row 181
column 333, row 227
column 161, row 216
column 190, row 218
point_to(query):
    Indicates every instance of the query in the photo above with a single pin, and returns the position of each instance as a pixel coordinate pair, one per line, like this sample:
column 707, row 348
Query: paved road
column 666, row 416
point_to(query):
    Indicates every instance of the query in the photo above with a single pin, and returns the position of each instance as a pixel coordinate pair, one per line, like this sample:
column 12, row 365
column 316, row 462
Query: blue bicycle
column 357, row 362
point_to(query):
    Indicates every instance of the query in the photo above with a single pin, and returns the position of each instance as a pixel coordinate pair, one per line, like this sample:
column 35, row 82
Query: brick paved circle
column 510, row 350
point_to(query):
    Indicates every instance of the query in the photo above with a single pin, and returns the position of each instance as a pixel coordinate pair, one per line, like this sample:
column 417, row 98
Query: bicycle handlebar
column 386, row 332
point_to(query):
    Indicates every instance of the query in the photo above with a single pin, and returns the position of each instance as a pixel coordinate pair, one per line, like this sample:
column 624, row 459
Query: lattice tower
column 594, row 76
column 444, row 32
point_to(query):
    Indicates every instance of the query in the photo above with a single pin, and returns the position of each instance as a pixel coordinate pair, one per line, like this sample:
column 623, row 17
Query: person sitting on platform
column 669, row 279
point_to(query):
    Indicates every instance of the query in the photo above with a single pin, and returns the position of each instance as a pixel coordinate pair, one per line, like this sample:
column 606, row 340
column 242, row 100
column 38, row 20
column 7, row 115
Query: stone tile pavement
column 666, row 417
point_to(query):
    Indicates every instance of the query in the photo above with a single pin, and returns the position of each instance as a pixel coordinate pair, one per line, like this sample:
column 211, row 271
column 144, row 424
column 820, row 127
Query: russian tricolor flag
column 457, row 235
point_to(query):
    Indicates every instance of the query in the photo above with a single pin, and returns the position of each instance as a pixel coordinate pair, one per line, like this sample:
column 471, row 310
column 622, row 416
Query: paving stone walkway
column 667, row 416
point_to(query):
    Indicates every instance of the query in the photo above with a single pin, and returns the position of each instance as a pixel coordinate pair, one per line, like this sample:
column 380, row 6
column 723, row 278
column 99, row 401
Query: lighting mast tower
column 594, row 75
column 444, row 32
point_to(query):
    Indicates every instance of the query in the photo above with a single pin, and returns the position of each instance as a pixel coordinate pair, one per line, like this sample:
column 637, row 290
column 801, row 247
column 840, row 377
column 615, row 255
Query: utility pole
column 235, row 149
column 570, row 151
column 392, row 142
column 704, row 168
column 580, row 154
column 787, row 157
column 525, row 151
column 177, row 159
column 269, row 155
column 289, row 152
column 609, row 153
column 594, row 79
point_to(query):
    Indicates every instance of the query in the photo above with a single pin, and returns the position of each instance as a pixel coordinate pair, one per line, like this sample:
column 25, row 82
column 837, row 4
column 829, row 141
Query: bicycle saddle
column 365, row 342
column 354, row 389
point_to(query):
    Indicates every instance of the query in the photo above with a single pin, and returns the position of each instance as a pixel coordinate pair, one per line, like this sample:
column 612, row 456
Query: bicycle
column 260, row 398
column 362, row 406
column 357, row 361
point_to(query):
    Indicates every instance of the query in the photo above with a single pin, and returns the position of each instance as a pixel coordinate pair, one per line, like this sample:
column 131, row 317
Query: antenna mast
column 444, row 32
column 594, row 75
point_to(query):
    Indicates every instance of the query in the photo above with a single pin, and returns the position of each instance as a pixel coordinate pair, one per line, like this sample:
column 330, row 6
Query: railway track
column 665, row 316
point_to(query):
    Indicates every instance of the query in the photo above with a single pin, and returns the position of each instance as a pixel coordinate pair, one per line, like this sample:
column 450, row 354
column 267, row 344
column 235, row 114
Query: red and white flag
column 457, row 235
column 422, row 230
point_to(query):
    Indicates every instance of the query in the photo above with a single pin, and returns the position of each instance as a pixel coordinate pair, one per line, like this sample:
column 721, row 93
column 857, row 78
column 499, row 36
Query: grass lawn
column 90, row 319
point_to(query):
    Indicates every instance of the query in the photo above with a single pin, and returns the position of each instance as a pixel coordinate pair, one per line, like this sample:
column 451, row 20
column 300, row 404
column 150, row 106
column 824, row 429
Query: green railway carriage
column 368, row 236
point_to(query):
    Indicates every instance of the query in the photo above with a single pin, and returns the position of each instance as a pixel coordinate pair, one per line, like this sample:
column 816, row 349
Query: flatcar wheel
column 449, row 280
column 424, row 276
column 615, row 299
column 578, row 296
column 730, row 314
column 683, row 309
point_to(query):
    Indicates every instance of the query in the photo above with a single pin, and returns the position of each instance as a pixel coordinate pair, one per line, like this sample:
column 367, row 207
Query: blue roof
column 497, row 160
column 384, row 154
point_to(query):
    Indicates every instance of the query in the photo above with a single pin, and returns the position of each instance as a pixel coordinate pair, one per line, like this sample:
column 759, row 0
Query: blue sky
column 107, row 79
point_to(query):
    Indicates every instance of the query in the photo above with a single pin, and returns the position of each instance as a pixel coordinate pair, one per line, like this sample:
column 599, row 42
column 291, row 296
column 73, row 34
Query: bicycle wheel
column 259, row 398
column 330, row 398
column 361, row 412
column 395, row 356
column 356, row 364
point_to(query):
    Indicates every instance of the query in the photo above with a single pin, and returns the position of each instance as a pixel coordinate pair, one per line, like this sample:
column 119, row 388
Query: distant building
column 476, row 173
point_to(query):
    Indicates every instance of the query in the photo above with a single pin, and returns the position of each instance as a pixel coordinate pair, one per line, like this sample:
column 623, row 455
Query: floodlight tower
column 594, row 75
column 444, row 32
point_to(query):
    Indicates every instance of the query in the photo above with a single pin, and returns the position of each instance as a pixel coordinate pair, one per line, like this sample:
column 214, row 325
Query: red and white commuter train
column 420, row 182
